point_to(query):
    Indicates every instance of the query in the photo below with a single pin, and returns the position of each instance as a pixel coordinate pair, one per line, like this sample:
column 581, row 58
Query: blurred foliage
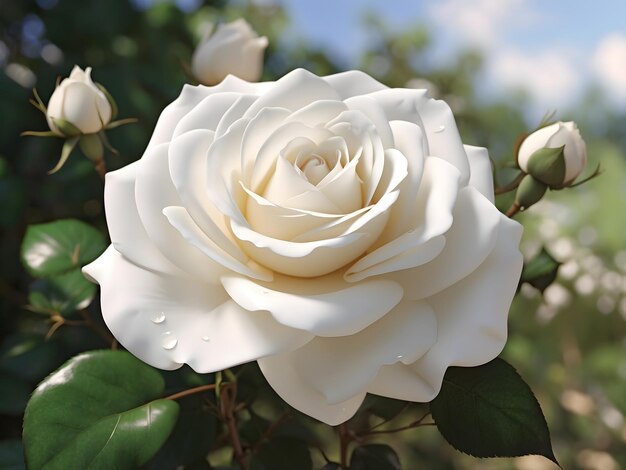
column 569, row 343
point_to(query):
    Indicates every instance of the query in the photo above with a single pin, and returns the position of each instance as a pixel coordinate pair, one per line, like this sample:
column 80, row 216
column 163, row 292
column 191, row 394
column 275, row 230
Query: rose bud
column 78, row 105
column 554, row 155
column 234, row 49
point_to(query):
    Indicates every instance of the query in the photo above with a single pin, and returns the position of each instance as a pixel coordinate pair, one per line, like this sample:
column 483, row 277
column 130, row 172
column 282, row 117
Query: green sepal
column 91, row 146
column 65, row 127
column 548, row 166
column 529, row 191
column 68, row 146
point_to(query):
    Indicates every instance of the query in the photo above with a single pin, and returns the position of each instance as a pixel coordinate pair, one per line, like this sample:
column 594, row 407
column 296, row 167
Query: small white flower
column 80, row 102
column 235, row 49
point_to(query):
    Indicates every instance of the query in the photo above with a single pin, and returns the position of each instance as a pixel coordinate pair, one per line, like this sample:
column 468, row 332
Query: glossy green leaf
column 283, row 453
column 489, row 411
column 540, row 271
column 374, row 457
column 63, row 293
column 57, row 247
column 191, row 439
column 100, row 411
column 11, row 455
column 14, row 394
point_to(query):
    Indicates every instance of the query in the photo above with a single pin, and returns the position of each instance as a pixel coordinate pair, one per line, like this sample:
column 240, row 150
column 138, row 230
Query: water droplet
column 399, row 356
column 441, row 129
column 169, row 341
column 206, row 338
column 158, row 317
column 411, row 230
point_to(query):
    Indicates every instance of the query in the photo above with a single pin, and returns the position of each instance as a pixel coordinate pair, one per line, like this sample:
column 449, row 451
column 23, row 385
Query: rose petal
column 77, row 109
column 294, row 91
column 318, row 112
column 471, row 319
column 409, row 139
column 127, row 233
column 308, row 259
column 289, row 189
column 187, row 165
column 206, row 114
column 168, row 321
column 434, row 116
column 185, row 225
column 155, row 191
column 375, row 113
column 432, row 213
column 343, row 367
column 334, row 308
column 481, row 176
column 401, row 382
column 468, row 243
column 353, row 83
column 236, row 111
column 284, row 378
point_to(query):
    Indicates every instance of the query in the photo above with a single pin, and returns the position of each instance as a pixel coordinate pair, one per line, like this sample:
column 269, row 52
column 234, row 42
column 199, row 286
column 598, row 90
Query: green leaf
column 374, row 457
column 14, row 392
column 191, row 439
column 63, row 293
column 283, row 453
column 541, row 271
column 57, row 247
column 100, row 411
column 11, row 455
column 489, row 411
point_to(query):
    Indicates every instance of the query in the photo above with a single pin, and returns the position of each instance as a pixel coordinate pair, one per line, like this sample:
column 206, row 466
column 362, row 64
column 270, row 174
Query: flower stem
column 191, row 391
column 514, row 209
column 510, row 186
column 228, row 398
column 344, row 443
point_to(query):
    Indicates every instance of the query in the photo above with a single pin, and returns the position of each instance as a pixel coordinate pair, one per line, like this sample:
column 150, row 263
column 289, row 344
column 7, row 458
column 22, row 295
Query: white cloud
column 481, row 22
column 551, row 76
column 609, row 63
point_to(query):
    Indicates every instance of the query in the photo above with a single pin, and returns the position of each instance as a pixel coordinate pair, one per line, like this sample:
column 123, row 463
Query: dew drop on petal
column 205, row 338
column 441, row 129
column 169, row 341
column 158, row 317
column 398, row 357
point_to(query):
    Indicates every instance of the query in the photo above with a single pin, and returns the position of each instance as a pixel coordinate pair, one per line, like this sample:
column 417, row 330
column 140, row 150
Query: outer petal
column 127, row 233
column 294, row 91
column 284, row 378
column 335, row 308
column 470, row 240
column 481, row 172
column 189, row 98
column 353, row 83
column 472, row 314
column 168, row 321
column 154, row 192
column 341, row 368
column 432, row 216
column 435, row 117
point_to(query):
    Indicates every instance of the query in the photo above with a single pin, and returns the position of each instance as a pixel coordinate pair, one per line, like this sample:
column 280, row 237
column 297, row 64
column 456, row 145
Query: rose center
column 313, row 167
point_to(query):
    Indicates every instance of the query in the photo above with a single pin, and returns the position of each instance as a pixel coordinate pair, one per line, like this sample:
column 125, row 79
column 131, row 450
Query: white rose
column 559, row 134
column 333, row 229
column 80, row 102
column 234, row 49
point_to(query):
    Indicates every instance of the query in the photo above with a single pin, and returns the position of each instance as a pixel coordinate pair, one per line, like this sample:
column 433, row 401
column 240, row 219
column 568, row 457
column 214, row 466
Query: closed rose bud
column 77, row 105
column 235, row 49
column 555, row 155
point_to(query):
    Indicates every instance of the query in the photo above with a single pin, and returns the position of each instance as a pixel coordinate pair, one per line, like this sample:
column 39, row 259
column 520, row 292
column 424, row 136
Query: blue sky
column 554, row 49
